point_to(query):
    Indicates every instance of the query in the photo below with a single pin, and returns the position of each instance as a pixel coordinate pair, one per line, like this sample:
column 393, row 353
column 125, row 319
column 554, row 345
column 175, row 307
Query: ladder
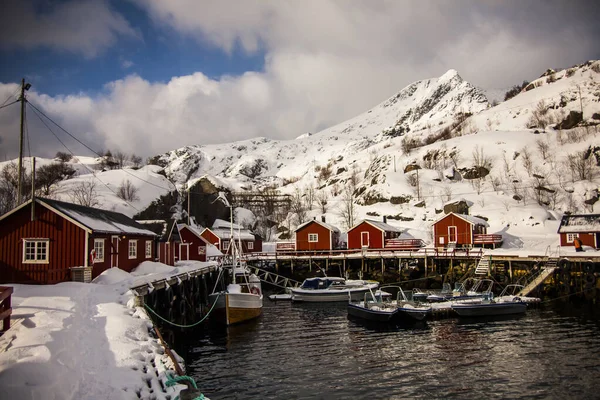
column 483, row 266
column 549, row 267
column 273, row 279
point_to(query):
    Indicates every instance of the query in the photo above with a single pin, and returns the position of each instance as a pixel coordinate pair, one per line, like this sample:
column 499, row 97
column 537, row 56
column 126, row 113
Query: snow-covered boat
column 329, row 289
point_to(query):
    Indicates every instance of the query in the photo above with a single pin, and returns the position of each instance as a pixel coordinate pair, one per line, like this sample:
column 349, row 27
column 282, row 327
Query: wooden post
column 5, row 306
column 382, row 266
column 510, row 273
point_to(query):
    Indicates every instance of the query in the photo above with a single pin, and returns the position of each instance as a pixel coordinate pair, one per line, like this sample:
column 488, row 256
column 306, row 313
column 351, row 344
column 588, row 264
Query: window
column 35, row 251
column 571, row 237
column 148, row 248
column 98, row 250
column 313, row 237
column 250, row 245
column 225, row 244
column 133, row 249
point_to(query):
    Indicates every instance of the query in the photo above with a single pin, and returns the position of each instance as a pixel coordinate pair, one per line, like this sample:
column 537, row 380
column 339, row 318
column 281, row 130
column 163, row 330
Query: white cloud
column 325, row 61
column 126, row 64
column 85, row 27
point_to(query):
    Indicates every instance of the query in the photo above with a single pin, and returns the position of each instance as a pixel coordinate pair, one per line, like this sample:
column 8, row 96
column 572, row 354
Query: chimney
column 385, row 219
column 322, row 218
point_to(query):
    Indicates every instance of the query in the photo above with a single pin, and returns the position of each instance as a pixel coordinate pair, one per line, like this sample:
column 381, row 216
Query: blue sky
column 153, row 75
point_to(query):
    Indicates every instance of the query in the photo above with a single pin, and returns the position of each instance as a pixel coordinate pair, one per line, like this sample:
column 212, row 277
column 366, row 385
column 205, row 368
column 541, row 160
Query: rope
column 174, row 380
column 184, row 326
column 568, row 295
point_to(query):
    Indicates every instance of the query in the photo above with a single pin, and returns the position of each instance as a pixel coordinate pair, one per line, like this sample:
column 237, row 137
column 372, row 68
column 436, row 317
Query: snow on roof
column 454, row 201
column 221, row 223
column 384, row 226
column 323, row 224
column 469, row 218
column 580, row 223
column 98, row 220
column 225, row 233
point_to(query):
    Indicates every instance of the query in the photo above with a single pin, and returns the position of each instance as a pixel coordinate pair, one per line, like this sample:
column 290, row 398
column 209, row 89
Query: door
column 184, row 251
column 364, row 239
column 452, row 234
column 114, row 251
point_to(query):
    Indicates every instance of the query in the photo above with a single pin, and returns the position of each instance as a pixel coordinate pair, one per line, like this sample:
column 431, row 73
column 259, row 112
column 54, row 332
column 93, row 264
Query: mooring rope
column 184, row 326
column 174, row 380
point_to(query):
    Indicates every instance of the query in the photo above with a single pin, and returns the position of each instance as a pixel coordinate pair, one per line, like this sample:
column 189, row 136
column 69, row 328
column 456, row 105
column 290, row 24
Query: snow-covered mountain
column 521, row 163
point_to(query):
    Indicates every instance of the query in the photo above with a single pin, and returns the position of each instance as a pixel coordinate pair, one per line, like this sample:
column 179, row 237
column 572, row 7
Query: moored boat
column 331, row 289
column 489, row 308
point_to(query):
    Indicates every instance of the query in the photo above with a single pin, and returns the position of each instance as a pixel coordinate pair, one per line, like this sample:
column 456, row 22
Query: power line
column 10, row 104
column 84, row 165
column 12, row 96
column 92, row 150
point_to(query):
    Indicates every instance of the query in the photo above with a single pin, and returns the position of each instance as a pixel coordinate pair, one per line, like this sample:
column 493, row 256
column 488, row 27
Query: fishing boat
column 489, row 307
column 330, row 289
column 242, row 299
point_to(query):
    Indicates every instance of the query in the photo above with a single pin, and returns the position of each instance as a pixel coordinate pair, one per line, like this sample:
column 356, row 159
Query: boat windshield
column 318, row 283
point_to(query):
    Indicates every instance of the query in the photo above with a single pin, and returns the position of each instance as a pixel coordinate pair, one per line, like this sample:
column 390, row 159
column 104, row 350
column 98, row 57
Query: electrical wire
column 10, row 104
column 93, row 151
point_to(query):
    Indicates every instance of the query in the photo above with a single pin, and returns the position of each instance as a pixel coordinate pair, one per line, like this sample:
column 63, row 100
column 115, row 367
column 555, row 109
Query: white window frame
column 148, row 248
column 313, row 238
column 38, row 244
column 132, row 250
column 225, row 244
column 571, row 237
column 250, row 245
column 98, row 250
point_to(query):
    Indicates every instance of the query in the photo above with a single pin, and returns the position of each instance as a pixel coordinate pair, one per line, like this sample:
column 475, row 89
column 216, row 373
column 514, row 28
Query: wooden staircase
column 550, row 266
column 483, row 267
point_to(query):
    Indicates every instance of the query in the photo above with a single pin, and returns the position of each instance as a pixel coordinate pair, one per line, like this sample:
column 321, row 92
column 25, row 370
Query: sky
column 148, row 76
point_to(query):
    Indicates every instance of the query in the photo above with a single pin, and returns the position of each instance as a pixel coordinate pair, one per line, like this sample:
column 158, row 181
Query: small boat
column 407, row 309
column 489, row 308
column 327, row 289
column 510, row 293
column 375, row 307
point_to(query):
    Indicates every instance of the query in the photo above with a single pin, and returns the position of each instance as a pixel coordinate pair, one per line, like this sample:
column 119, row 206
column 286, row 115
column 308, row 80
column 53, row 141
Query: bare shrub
column 527, row 160
column 543, row 147
column 347, row 210
column 84, row 193
column 581, row 165
column 136, row 161
column 64, row 157
column 127, row 191
column 409, row 144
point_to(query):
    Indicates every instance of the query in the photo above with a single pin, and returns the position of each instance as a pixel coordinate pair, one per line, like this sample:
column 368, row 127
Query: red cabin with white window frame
column 459, row 230
column 41, row 245
column 584, row 226
column 220, row 235
column 315, row 235
column 193, row 246
column 371, row 234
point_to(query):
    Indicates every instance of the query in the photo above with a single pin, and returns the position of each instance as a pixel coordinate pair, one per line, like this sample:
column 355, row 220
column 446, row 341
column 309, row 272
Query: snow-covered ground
column 85, row 341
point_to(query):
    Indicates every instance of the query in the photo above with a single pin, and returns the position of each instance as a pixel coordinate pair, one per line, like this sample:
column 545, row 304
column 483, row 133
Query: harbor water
column 313, row 351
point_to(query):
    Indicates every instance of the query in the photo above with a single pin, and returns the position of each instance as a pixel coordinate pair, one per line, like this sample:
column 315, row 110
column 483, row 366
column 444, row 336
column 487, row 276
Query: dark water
column 303, row 351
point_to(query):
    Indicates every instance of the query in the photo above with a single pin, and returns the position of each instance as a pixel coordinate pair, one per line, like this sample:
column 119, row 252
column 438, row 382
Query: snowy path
column 79, row 341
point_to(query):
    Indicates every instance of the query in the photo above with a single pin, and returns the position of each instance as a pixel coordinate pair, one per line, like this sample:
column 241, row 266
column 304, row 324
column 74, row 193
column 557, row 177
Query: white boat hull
column 331, row 295
column 489, row 309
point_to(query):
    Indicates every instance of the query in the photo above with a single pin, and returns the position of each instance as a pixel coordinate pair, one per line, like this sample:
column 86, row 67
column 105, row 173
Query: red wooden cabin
column 167, row 248
column 459, row 230
column 41, row 246
column 193, row 245
column 584, row 226
column 315, row 235
column 371, row 234
column 220, row 234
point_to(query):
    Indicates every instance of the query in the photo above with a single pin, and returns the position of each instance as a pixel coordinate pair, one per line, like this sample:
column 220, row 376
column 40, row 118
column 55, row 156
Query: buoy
column 564, row 264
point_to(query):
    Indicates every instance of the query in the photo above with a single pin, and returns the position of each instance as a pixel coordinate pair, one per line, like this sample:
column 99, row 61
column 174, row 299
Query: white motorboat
column 328, row 289
column 511, row 293
column 375, row 307
column 489, row 307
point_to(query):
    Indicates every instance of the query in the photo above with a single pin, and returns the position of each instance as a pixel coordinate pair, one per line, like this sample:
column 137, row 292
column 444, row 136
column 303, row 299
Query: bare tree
column 347, row 209
column 120, row 158
column 9, row 176
column 543, row 147
column 297, row 206
column 84, row 193
column 581, row 166
column 309, row 197
column 8, row 196
column 527, row 160
column 127, row 191
column 354, row 179
column 539, row 116
column 49, row 175
column 322, row 200
column 455, row 157
column 136, row 161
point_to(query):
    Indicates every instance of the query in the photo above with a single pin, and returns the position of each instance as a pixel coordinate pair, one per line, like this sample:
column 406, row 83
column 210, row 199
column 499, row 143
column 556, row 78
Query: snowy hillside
column 521, row 164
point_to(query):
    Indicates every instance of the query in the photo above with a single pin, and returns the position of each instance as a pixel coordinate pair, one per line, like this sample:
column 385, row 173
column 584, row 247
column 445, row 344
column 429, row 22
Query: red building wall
column 118, row 255
column 197, row 246
column 324, row 237
column 66, row 247
column 166, row 252
column 211, row 238
column 463, row 231
column 587, row 239
column 375, row 236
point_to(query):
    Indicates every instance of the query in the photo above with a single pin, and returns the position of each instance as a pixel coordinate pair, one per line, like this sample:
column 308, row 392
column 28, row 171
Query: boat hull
column 489, row 309
column 233, row 308
column 370, row 313
column 326, row 295
column 416, row 314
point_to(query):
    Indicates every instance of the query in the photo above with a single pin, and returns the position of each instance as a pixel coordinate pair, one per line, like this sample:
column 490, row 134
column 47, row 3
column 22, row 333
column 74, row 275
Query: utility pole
column 24, row 87
column 581, row 106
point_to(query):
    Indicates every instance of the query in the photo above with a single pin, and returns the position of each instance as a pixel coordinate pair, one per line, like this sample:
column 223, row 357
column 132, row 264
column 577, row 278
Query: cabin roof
column 323, row 224
column 469, row 218
column 97, row 220
column 575, row 223
column 383, row 226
